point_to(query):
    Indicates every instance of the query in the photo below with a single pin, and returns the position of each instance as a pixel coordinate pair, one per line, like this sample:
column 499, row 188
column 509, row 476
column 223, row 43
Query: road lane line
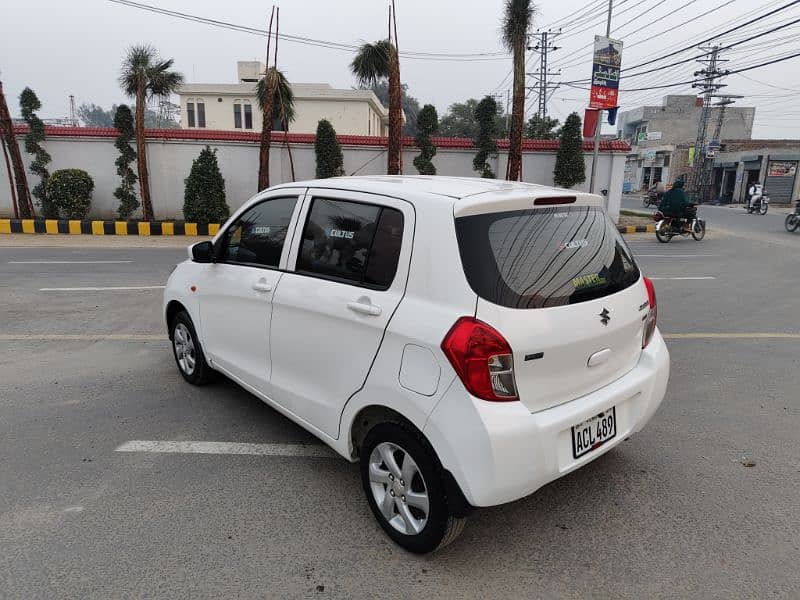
column 681, row 278
column 731, row 336
column 68, row 262
column 674, row 255
column 305, row 450
column 90, row 337
column 104, row 289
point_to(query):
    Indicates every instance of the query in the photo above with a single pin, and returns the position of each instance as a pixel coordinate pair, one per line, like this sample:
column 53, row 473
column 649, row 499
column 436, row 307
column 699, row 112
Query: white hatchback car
column 467, row 340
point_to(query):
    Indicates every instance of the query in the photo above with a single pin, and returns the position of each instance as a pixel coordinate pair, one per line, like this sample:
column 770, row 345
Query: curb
column 636, row 228
column 75, row 227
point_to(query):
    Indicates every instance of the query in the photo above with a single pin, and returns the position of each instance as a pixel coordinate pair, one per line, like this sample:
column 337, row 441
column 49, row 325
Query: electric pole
column 543, row 47
column 709, row 84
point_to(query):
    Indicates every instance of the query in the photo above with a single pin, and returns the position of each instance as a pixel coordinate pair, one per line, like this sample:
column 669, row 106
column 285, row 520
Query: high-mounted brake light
column 652, row 313
column 553, row 200
column 482, row 359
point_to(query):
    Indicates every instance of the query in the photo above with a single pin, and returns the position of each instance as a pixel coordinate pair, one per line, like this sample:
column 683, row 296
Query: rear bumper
column 499, row 452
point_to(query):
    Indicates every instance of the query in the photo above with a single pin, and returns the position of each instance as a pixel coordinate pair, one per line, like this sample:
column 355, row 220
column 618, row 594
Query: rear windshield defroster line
column 544, row 257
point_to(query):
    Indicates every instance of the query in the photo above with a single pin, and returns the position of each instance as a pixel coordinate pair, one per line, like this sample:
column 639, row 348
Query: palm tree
column 516, row 22
column 145, row 74
column 276, row 100
column 375, row 62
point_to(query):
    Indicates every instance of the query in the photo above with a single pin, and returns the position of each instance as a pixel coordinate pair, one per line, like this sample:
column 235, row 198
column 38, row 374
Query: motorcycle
column 652, row 199
column 760, row 206
column 792, row 221
column 668, row 227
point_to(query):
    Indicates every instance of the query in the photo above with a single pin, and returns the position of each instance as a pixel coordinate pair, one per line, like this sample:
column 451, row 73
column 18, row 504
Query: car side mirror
column 203, row 252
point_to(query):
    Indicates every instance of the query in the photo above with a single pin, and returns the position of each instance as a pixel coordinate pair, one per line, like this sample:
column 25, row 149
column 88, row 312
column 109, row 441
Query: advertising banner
column 782, row 168
column 605, row 73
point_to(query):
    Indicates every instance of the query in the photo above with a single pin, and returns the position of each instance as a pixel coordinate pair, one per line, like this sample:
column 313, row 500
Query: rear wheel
column 188, row 352
column 792, row 222
column 405, row 489
column 662, row 232
column 698, row 230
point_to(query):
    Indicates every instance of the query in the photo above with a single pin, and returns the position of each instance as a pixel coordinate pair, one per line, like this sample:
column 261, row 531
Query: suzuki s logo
column 605, row 316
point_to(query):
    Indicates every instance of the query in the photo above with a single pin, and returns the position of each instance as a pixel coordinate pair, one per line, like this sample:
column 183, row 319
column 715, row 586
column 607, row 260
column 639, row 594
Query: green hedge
column 70, row 191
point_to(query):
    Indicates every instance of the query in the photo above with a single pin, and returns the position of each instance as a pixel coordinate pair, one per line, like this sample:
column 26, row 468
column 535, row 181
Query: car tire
column 188, row 352
column 424, row 524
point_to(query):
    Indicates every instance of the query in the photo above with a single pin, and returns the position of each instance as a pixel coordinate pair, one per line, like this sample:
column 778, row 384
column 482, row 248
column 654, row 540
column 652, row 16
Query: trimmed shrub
column 570, row 168
column 29, row 103
column 427, row 125
column 204, row 196
column 485, row 115
column 70, row 191
column 126, row 191
column 330, row 162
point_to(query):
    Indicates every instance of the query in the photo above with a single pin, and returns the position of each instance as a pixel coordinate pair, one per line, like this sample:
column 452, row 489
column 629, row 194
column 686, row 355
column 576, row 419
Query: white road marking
column 306, row 450
column 674, row 255
column 681, row 278
column 69, row 262
column 731, row 336
column 91, row 337
column 104, row 289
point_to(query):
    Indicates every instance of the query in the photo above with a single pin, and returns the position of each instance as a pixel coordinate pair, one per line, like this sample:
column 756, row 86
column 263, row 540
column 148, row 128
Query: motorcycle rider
column 675, row 203
column 756, row 192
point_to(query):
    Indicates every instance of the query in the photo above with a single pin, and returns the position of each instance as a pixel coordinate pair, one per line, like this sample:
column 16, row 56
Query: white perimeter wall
column 170, row 161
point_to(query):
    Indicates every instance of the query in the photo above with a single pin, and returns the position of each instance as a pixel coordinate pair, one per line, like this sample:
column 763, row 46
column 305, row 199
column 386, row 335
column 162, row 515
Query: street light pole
column 598, row 126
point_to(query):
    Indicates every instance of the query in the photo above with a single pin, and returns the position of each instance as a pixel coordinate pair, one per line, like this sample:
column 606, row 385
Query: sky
column 76, row 48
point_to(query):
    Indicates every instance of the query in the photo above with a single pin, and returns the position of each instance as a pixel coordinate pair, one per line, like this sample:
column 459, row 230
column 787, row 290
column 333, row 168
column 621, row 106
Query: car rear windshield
column 544, row 257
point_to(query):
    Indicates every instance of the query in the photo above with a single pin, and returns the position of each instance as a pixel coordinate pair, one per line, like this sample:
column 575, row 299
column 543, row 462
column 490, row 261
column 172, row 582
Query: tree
column 204, row 195
column 485, row 114
column 570, row 167
column 126, row 191
column 409, row 103
column 459, row 120
column 23, row 207
column 276, row 100
column 373, row 63
column 542, row 129
column 145, row 74
column 29, row 104
column 70, row 191
column 93, row 115
column 427, row 125
column 517, row 20
column 330, row 162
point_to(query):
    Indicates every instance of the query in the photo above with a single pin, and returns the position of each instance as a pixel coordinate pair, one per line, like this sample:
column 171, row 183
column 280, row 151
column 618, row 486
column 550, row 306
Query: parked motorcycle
column 792, row 221
column 652, row 199
column 760, row 206
column 668, row 227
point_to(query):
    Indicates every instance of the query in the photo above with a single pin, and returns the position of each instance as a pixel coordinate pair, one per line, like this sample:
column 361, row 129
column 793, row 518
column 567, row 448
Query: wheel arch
column 172, row 309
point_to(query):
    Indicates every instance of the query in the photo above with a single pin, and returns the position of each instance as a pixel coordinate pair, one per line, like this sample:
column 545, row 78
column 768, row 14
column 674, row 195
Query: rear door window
column 544, row 257
column 351, row 242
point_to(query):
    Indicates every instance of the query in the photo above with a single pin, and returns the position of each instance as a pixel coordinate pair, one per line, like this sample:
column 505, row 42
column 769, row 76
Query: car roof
column 450, row 187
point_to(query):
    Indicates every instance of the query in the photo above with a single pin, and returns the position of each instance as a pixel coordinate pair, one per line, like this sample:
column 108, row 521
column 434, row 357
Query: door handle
column 364, row 308
column 262, row 286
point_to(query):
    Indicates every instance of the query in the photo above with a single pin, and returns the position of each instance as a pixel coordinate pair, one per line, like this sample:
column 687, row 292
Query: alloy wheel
column 184, row 348
column 398, row 488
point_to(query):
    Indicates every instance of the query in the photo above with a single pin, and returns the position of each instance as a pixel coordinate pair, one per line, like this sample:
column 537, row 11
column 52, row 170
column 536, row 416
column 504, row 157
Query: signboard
column 781, row 168
column 607, row 60
column 642, row 136
column 690, row 160
column 653, row 135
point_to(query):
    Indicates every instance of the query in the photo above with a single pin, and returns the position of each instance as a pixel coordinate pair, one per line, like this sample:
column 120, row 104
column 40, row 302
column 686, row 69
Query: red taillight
column 652, row 313
column 482, row 359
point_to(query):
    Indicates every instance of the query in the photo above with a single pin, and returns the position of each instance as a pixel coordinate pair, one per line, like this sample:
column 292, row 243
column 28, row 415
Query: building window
column 237, row 114
column 190, row 112
column 248, row 115
column 277, row 125
column 201, row 113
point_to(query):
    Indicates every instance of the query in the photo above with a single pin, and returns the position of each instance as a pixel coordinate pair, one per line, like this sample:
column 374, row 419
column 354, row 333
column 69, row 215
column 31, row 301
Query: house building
column 774, row 163
column 233, row 106
column 661, row 137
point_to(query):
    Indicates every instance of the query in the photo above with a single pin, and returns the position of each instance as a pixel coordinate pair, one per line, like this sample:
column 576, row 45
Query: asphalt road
column 672, row 513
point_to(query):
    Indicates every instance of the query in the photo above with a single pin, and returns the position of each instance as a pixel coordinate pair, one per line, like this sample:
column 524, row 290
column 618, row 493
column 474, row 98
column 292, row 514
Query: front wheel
column 762, row 210
column 792, row 222
column 405, row 489
column 188, row 352
column 698, row 229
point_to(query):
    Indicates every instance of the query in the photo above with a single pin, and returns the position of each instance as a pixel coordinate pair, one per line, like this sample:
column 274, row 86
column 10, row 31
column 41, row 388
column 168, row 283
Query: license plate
column 594, row 432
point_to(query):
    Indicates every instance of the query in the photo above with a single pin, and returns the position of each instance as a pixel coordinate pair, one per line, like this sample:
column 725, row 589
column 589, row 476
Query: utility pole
column 709, row 84
column 544, row 46
column 599, row 126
